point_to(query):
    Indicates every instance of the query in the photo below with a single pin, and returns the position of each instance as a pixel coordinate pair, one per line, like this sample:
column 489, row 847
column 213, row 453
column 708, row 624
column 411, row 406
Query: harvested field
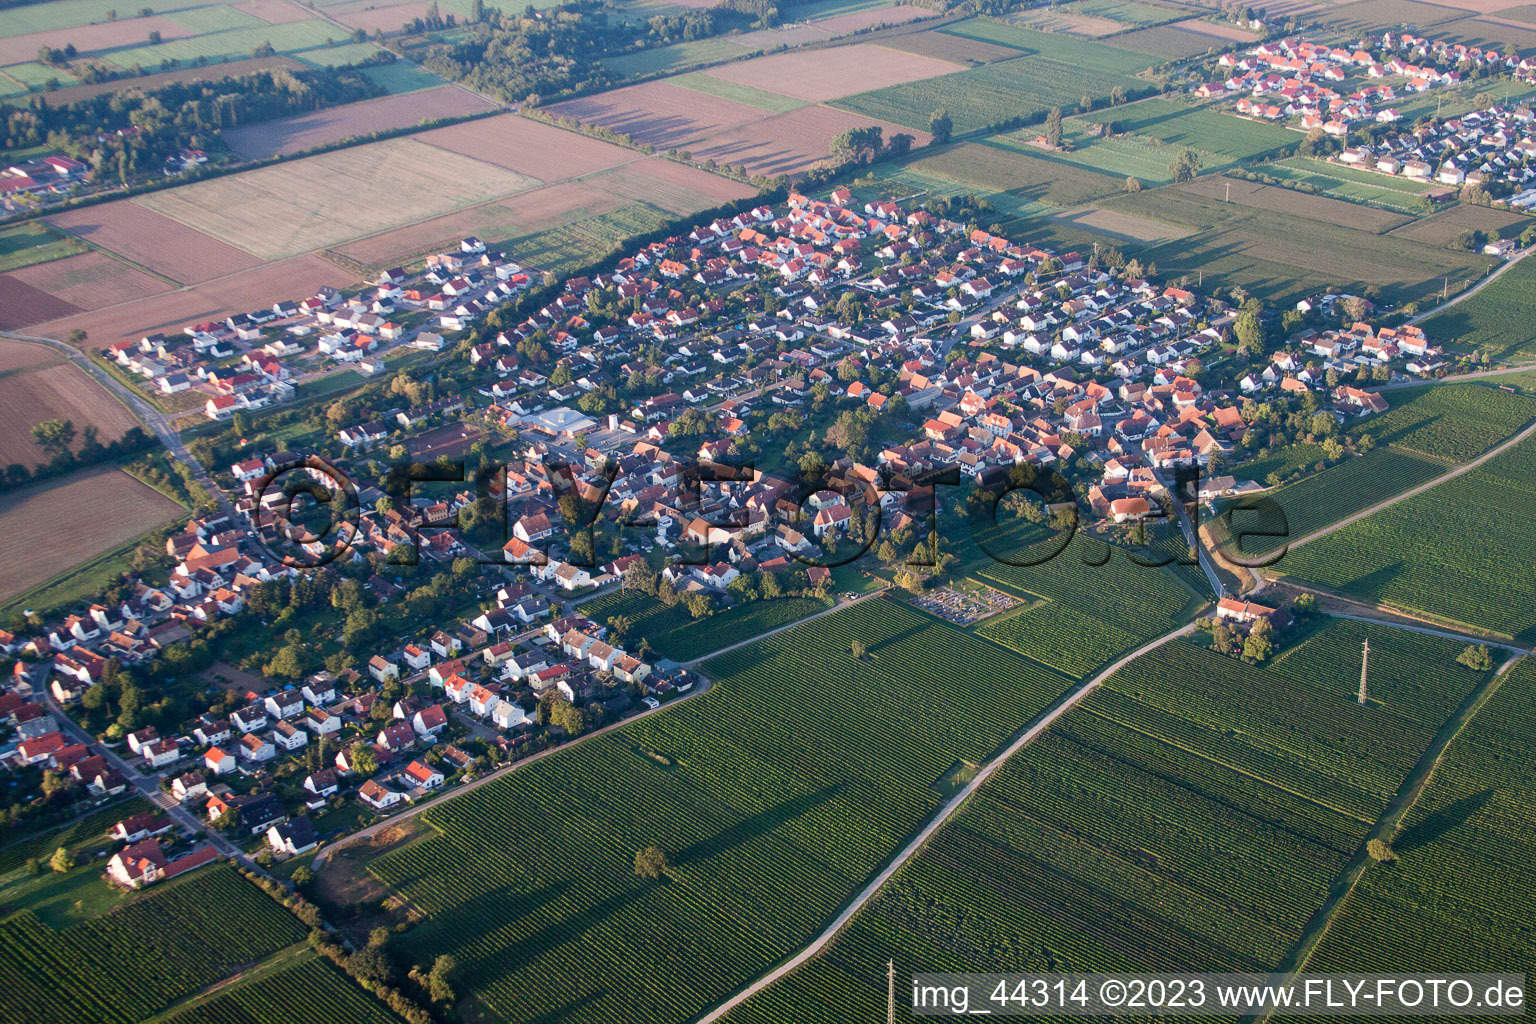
column 91, row 280
column 306, row 131
column 1171, row 42
column 660, row 114
column 388, row 19
column 856, row 21
column 89, row 38
column 1488, row 31
column 1443, row 227
column 784, row 36
column 235, row 68
column 1384, row 14
column 674, row 187
column 22, row 305
column 273, row 12
column 818, row 75
column 1124, row 226
column 154, row 242
column 528, row 147
column 172, row 311
column 1298, row 204
column 230, row 44
column 48, row 528
column 1220, row 30
column 494, row 222
column 310, row 204
column 40, row 385
column 789, row 142
column 953, row 48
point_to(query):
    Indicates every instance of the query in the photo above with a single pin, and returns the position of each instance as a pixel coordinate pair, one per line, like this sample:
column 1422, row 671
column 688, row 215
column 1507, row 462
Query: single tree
column 651, row 863
column 1476, row 657
column 62, row 860
column 1380, row 852
column 858, row 650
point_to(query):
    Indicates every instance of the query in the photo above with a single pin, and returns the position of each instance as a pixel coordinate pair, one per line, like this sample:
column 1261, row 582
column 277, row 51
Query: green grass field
column 1497, row 320
column 673, row 58
column 775, row 794
column 1189, row 815
column 22, row 245
column 1350, row 183
column 1459, row 551
column 17, row 79
column 61, row 14
column 1027, row 174
column 701, row 82
column 674, row 634
column 232, row 44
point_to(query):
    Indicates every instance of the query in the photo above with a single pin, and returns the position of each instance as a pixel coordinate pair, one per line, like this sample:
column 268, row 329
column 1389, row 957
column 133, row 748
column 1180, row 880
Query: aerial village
column 959, row 349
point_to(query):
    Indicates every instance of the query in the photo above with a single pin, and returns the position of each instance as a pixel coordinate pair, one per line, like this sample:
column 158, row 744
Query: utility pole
column 890, row 994
column 1229, row 192
column 1365, row 660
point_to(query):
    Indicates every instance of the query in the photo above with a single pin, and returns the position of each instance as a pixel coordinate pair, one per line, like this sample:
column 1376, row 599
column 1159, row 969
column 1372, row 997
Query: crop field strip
column 1497, row 320
column 1459, row 551
column 326, row 995
column 1102, row 847
column 91, row 827
column 1445, row 903
column 674, row 634
column 776, row 795
column 60, row 977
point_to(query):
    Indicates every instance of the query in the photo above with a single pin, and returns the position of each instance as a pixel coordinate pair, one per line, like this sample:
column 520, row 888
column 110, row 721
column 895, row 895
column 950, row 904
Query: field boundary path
column 920, row 840
column 1387, row 826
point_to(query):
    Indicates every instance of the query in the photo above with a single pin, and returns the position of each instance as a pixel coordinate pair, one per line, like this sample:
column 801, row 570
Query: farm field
column 293, row 208
column 1366, row 15
column 1465, row 841
column 947, row 46
column 1091, row 614
column 774, row 799
column 818, row 75
column 1278, row 258
column 55, row 976
column 1143, row 832
column 1457, row 422
column 90, row 280
column 658, row 113
column 788, row 142
column 75, row 93
column 53, row 526
column 1442, row 228
column 1284, row 201
column 1204, row 129
column 1352, row 185
column 1497, row 320
column 327, row 995
column 36, row 385
column 238, row 293
column 678, row 57
column 1176, row 41
column 1340, row 491
column 88, row 830
column 986, row 166
column 979, row 97
column 22, row 245
column 322, row 127
column 1457, row 551
column 529, row 147
column 155, row 242
column 719, row 87
column 674, row 634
